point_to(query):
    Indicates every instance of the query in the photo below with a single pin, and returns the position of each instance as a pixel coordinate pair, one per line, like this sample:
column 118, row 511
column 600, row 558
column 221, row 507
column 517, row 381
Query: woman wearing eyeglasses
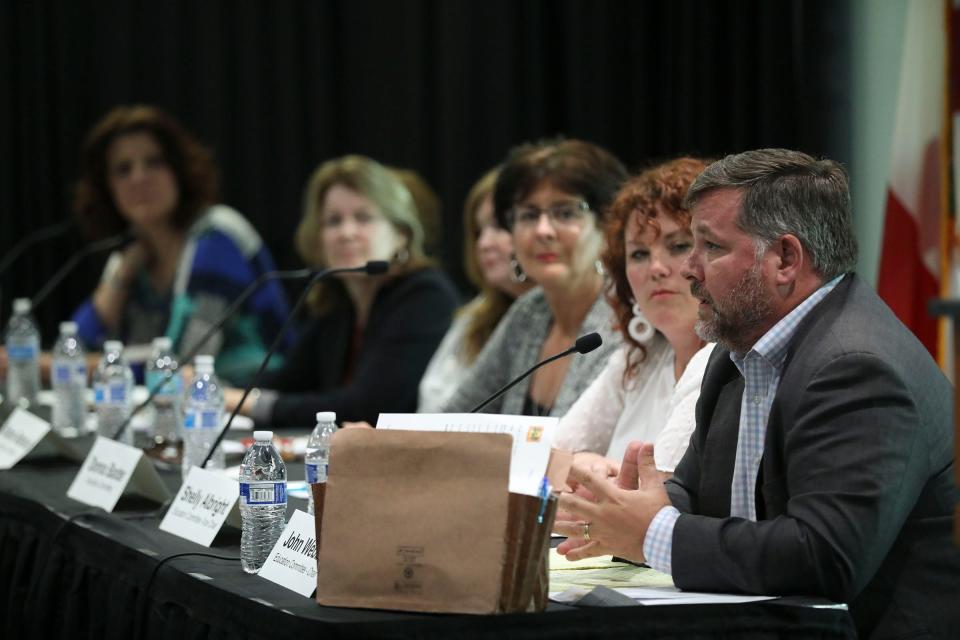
column 552, row 197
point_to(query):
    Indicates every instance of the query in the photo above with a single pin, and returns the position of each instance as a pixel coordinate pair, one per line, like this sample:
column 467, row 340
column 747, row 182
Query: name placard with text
column 24, row 435
column 206, row 500
column 292, row 563
column 113, row 469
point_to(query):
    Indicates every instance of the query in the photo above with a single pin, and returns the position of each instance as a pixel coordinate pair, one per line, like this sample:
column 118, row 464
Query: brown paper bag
column 422, row 521
column 414, row 521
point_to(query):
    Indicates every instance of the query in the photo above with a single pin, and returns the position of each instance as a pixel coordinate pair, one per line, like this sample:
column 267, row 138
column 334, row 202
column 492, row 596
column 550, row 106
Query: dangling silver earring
column 640, row 328
column 401, row 256
column 517, row 271
column 598, row 265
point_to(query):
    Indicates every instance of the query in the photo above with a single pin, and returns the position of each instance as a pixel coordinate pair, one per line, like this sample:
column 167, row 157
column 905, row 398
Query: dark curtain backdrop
column 444, row 87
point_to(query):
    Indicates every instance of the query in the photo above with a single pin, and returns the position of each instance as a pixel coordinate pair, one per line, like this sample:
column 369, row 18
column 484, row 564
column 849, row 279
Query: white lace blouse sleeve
column 589, row 424
column 446, row 369
column 673, row 440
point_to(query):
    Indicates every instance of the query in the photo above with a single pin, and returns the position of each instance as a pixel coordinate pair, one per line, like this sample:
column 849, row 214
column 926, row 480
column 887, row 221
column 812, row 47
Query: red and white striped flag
column 917, row 257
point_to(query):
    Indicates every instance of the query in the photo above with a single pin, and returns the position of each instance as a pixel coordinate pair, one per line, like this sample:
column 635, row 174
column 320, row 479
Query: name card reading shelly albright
column 293, row 561
column 206, row 500
column 24, row 435
column 112, row 470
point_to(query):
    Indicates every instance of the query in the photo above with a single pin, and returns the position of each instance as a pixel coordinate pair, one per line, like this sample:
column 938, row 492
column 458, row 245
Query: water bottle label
column 70, row 373
column 118, row 392
column 62, row 374
column 201, row 419
column 21, row 351
column 98, row 394
column 316, row 473
column 263, row 492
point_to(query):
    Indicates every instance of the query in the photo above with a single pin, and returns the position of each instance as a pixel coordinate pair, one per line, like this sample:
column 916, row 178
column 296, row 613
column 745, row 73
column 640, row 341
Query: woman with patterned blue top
column 552, row 196
column 141, row 171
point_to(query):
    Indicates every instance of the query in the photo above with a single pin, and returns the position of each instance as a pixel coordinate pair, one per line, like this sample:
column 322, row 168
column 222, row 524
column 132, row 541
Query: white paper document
column 532, row 439
column 656, row 596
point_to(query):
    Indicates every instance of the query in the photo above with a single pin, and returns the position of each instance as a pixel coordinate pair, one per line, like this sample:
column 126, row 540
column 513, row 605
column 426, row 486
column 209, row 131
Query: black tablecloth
column 67, row 570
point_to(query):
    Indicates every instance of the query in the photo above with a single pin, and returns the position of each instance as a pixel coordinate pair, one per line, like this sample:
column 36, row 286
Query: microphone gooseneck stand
column 374, row 267
column 94, row 247
column 222, row 320
column 584, row 344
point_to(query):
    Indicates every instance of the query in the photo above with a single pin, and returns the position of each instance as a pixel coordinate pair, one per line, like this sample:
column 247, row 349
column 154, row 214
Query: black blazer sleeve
column 408, row 320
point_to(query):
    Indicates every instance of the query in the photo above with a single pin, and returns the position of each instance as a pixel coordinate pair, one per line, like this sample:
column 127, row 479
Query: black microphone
column 584, row 344
column 372, row 268
column 94, row 247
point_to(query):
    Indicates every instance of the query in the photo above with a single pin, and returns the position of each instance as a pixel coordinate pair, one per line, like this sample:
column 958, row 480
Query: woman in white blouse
column 649, row 388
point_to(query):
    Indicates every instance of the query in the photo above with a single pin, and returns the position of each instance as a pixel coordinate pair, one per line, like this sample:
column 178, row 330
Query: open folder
column 423, row 521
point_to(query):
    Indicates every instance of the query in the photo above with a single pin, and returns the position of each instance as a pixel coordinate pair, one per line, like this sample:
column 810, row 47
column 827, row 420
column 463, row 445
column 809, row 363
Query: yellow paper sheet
column 602, row 571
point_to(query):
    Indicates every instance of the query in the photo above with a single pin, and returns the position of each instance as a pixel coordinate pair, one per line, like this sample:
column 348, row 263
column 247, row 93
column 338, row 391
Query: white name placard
column 24, row 435
column 293, row 561
column 532, row 439
column 112, row 470
column 206, row 500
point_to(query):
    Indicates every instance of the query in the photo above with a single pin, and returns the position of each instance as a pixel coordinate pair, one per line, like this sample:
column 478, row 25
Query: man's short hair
column 789, row 192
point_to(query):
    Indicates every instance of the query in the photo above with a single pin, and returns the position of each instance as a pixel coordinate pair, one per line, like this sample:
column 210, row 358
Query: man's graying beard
column 738, row 316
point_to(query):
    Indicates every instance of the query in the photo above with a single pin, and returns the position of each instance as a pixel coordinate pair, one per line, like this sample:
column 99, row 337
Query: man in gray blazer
column 822, row 462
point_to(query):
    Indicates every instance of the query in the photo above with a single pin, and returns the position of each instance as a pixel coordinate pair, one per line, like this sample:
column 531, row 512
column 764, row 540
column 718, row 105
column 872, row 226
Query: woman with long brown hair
column 487, row 250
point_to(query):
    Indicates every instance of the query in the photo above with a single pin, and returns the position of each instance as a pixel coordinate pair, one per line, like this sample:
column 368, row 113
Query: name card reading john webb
column 206, row 500
column 24, row 435
column 112, row 470
column 292, row 563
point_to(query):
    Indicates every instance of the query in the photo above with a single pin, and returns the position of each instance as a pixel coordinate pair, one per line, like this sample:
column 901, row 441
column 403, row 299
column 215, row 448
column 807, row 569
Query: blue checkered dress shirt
column 761, row 368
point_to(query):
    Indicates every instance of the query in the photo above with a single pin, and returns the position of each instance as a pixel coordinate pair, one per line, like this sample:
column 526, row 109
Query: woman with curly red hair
column 649, row 388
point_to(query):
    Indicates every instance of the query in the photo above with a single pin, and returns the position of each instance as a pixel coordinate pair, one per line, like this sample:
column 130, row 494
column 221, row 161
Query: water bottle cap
column 163, row 343
column 263, row 436
column 22, row 305
column 68, row 328
column 112, row 345
column 203, row 363
column 326, row 416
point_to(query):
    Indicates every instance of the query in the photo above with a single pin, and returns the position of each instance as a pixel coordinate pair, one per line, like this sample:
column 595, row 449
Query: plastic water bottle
column 113, row 391
column 263, row 501
column 202, row 413
column 23, row 355
column 166, row 418
column 69, row 381
column 318, row 450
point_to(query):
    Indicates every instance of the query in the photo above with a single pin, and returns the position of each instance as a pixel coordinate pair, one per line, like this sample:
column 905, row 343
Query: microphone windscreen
column 376, row 267
column 587, row 343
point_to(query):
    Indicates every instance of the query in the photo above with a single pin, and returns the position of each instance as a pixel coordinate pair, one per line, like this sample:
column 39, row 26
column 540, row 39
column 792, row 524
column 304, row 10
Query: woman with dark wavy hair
column 552, row 196
column 649, row 388
column 142, row 171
